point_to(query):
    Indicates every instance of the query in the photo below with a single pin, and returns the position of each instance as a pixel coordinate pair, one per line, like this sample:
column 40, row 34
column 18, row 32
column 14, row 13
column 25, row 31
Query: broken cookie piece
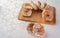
column 47, row 13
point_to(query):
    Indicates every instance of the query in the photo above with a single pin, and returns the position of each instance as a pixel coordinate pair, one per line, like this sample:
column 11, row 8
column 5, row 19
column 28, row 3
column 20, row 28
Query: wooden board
column 36, row 17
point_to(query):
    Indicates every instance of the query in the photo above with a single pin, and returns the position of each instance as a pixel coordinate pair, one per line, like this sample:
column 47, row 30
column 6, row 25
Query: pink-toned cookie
column 27, row 9
column 38, row 30
column 47, row 13
column 27, row 12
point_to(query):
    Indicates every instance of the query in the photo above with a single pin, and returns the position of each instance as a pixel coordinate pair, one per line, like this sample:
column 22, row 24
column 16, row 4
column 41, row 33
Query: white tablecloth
column 11, row 27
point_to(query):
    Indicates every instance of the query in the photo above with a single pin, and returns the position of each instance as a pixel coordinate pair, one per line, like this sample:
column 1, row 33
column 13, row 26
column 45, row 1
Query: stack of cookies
column 36, row 29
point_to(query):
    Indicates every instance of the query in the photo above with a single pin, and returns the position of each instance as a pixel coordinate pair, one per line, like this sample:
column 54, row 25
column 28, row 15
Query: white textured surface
column 11, row 27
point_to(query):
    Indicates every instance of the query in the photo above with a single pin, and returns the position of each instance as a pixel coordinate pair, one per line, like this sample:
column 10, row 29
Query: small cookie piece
column 33, row 5
column 43, row 5
column 47, row 13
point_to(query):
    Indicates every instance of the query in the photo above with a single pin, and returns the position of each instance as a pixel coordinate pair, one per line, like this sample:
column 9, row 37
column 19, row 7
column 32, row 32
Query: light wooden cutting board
column 36, row 17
